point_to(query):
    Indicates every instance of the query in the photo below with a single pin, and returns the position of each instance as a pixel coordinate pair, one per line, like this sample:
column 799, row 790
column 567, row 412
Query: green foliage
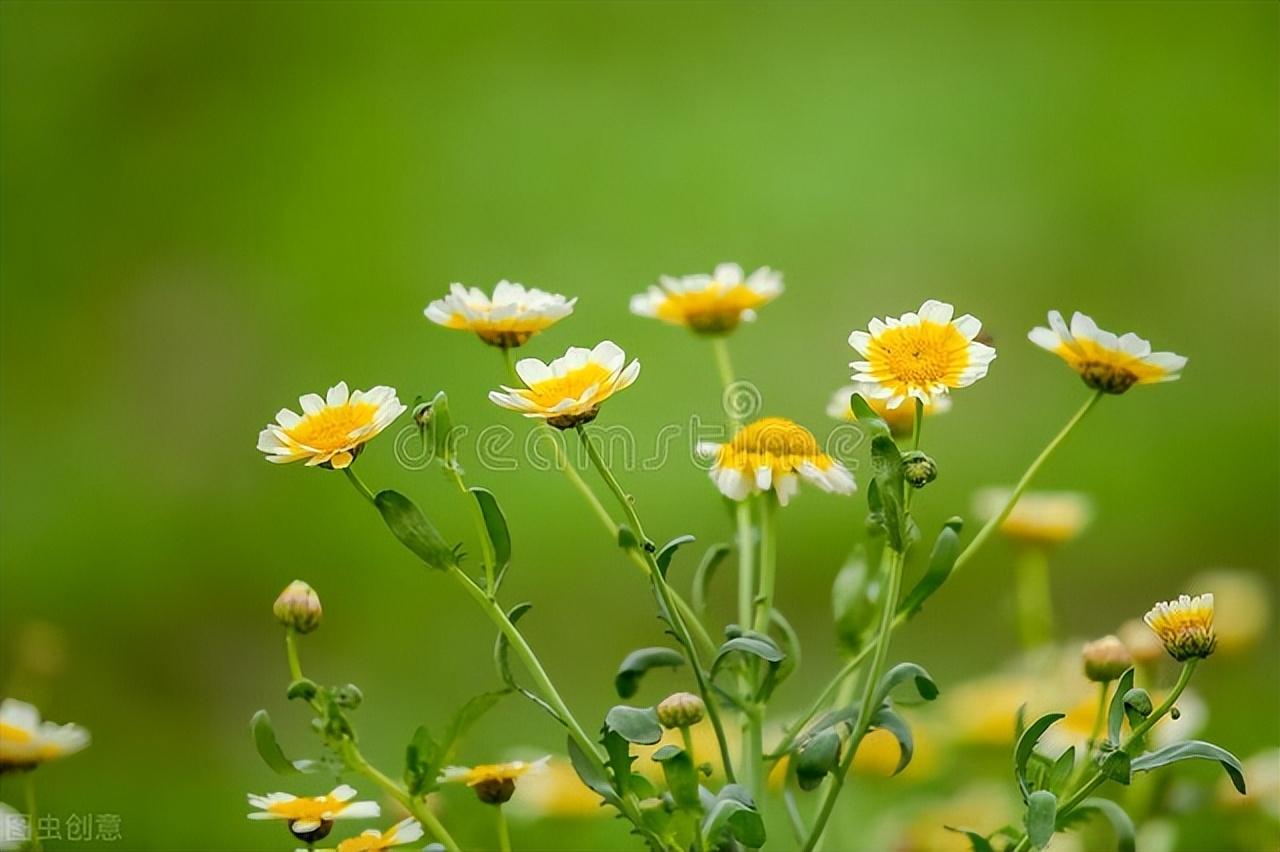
column 411, row 527
column 264, row 739
column 1027, row 744
column 855, row 596
column 977, row 842
column 425, row 756
column 711, row 560
column 1192, row 750
column 902, row 673
column 886, row 468
column 434, row 418
column 495, row 524
column 1060, row 772
column 1137, row 706
column 1116, row 765
column 634, row 724
column 733, row 814
column 627, row 681
column 590, row 775
column 866, row 417
column 502, row 660
column 941, row 562
column 1121, row 824
column 887, row 720
column 1116, row 711
column 819, row 756
column 668, row 550
column 681, row 776
column 1042, row 813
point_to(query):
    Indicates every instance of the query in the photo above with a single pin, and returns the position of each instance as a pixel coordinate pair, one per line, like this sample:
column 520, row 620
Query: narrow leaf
column 682, row 777
column 887, row 720
column 1061, row 770
column 264, row 739
column 495, row 524
column 941, row 562
column 900, row 674
column 669, row 550
column 866, row 417
column 977, row 843
column 589, row 773
column 706, row 571
column 1190, row 750
column 734, row 813
column 1115, row 713
column 637, row 663
column 1027, row 744
column 408, row 524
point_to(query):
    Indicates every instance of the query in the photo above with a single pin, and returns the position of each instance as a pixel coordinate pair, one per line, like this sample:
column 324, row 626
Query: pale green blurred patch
column 208, row 210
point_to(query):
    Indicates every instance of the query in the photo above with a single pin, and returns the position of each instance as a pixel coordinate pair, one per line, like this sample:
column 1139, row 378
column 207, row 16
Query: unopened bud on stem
column 298, row 607
column 1106, row 659
column 681, row 710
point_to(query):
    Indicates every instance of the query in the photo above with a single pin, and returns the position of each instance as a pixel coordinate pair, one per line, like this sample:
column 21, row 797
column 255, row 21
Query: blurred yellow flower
column 27, row 742
column 920, row 355
column 879, row 754
column 509, row 319
column 493, row 783
column 1241, row 602
column 710, row 304
column 706, row 749
column 1144, row 645
column 1106, row 362
column 774, row 453
column 901, row 420
column 984, row 710
column 557, row 791
column 569, row 390
column 977, row 807
column 311, row 818
column 404, row 832
column 333, row 429
column 1185, row 626
column 1039, row 517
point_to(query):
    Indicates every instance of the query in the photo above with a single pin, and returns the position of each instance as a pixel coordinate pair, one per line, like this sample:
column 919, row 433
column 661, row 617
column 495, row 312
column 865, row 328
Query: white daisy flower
column 774, row 453
column 27, row 742
column 570, row 389
column 333, row 429
column 901, row 420
column 1104, row 361
column 920, row 355
column 1185, row 626
column 493, row 783
column 508, row 319
column 311, row 818
column 710, row 304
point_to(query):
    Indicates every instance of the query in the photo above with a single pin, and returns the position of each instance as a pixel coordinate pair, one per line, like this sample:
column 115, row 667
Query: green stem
column 863, row 724
column 488, row 557
column 824, row 698
column 746, row 564
column 664, row 593
column 504, row 831
column 291, row 650
column 1035, row 601
column 33, row 818
column 768, row 562
column 724, row 365
column 991, row 525
column 359, row 484
column 917, row 424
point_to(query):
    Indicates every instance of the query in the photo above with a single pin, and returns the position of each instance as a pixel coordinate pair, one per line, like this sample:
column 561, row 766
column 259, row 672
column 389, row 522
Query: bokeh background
column 209, row 209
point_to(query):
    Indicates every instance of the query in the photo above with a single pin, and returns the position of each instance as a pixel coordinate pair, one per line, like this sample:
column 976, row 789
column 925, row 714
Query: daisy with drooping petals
column 1104, row 361
column 332, row 430
column 404, row 832
column 508, row 319
column 709, row 304
column 493, row 783
column 774, row 453
column 311, row 818
column 920, row 355
column 1185, row 626
column 569, row 390
column 27, row 742
column 901, row 420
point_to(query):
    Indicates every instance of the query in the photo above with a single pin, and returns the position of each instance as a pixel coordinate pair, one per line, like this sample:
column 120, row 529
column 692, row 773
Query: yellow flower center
column 307, row 809
column 920, row 355
column 1107, row 369
column 330, row 428
column 711, row 309
column 10, row 733
column 572, row 385
column 773, row 442
column 367, row 842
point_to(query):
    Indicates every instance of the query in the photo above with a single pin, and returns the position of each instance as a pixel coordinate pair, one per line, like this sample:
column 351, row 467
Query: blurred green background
column 209, row 209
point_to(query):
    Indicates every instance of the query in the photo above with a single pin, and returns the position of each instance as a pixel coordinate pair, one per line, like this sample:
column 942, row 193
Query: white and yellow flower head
column 1106, row 362
column 27, row 742
column 570, row 389
column 1039, row 517
column 493, row 783
column 333, row 429
column 709, row 304
column 920, row 355
column 311, row 818
column 404, row 832
column 1185, row 626
column 508, row 319
column 901, row 420
column 774, row 453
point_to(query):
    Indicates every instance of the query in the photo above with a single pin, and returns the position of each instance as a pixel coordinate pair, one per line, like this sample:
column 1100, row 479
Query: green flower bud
column 1106, row 659
column 298, row 607
column 918, row 469
column 681, row 710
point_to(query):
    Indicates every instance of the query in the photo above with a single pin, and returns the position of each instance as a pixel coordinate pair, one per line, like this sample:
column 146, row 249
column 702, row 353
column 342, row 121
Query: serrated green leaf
column 495, row 524
column 264, row 739
column 1042, row 813
column 819, row 756
column 1027, row 744
column 941, row 562
column 638, row 662
column 1115, row 713
column 1193, row 750
column 706, row 571
column 1126, row 836
column 410, row 526
column 682, row 777
column 634, row 724
column 668, row 550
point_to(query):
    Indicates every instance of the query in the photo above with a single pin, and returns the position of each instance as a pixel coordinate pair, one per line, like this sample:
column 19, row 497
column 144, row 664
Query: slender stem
column 1098, row 719
column 1035, row 602
column 824, row 698
column 33, row 818
column 664, row 594
column 291, row 650
column 768, row 562
column 488, row 557
column 504, row 831
column 359, row 484
column 863, row 724
column 746, row 564
column 917, row 424
column 991, row 525
column 724, row 365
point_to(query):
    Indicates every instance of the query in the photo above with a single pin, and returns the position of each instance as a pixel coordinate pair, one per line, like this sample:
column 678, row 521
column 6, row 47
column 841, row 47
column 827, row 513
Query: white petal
column 338, row 394
column 608, row 355
column 764, row 477
column 1044, row 338
column 937, row 312
column 786, row 487
column 728, row 274
column 359, row 810
column 861, row 341
column 968, row 326
column 311, row 403
column 531, row 371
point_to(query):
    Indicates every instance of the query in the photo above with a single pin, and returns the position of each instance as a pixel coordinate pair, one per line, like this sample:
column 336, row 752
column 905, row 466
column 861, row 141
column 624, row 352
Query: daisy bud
column 298, row 607
column 918, row 469
column 680, row 710
column 1106, row 659
column 1185, row 626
